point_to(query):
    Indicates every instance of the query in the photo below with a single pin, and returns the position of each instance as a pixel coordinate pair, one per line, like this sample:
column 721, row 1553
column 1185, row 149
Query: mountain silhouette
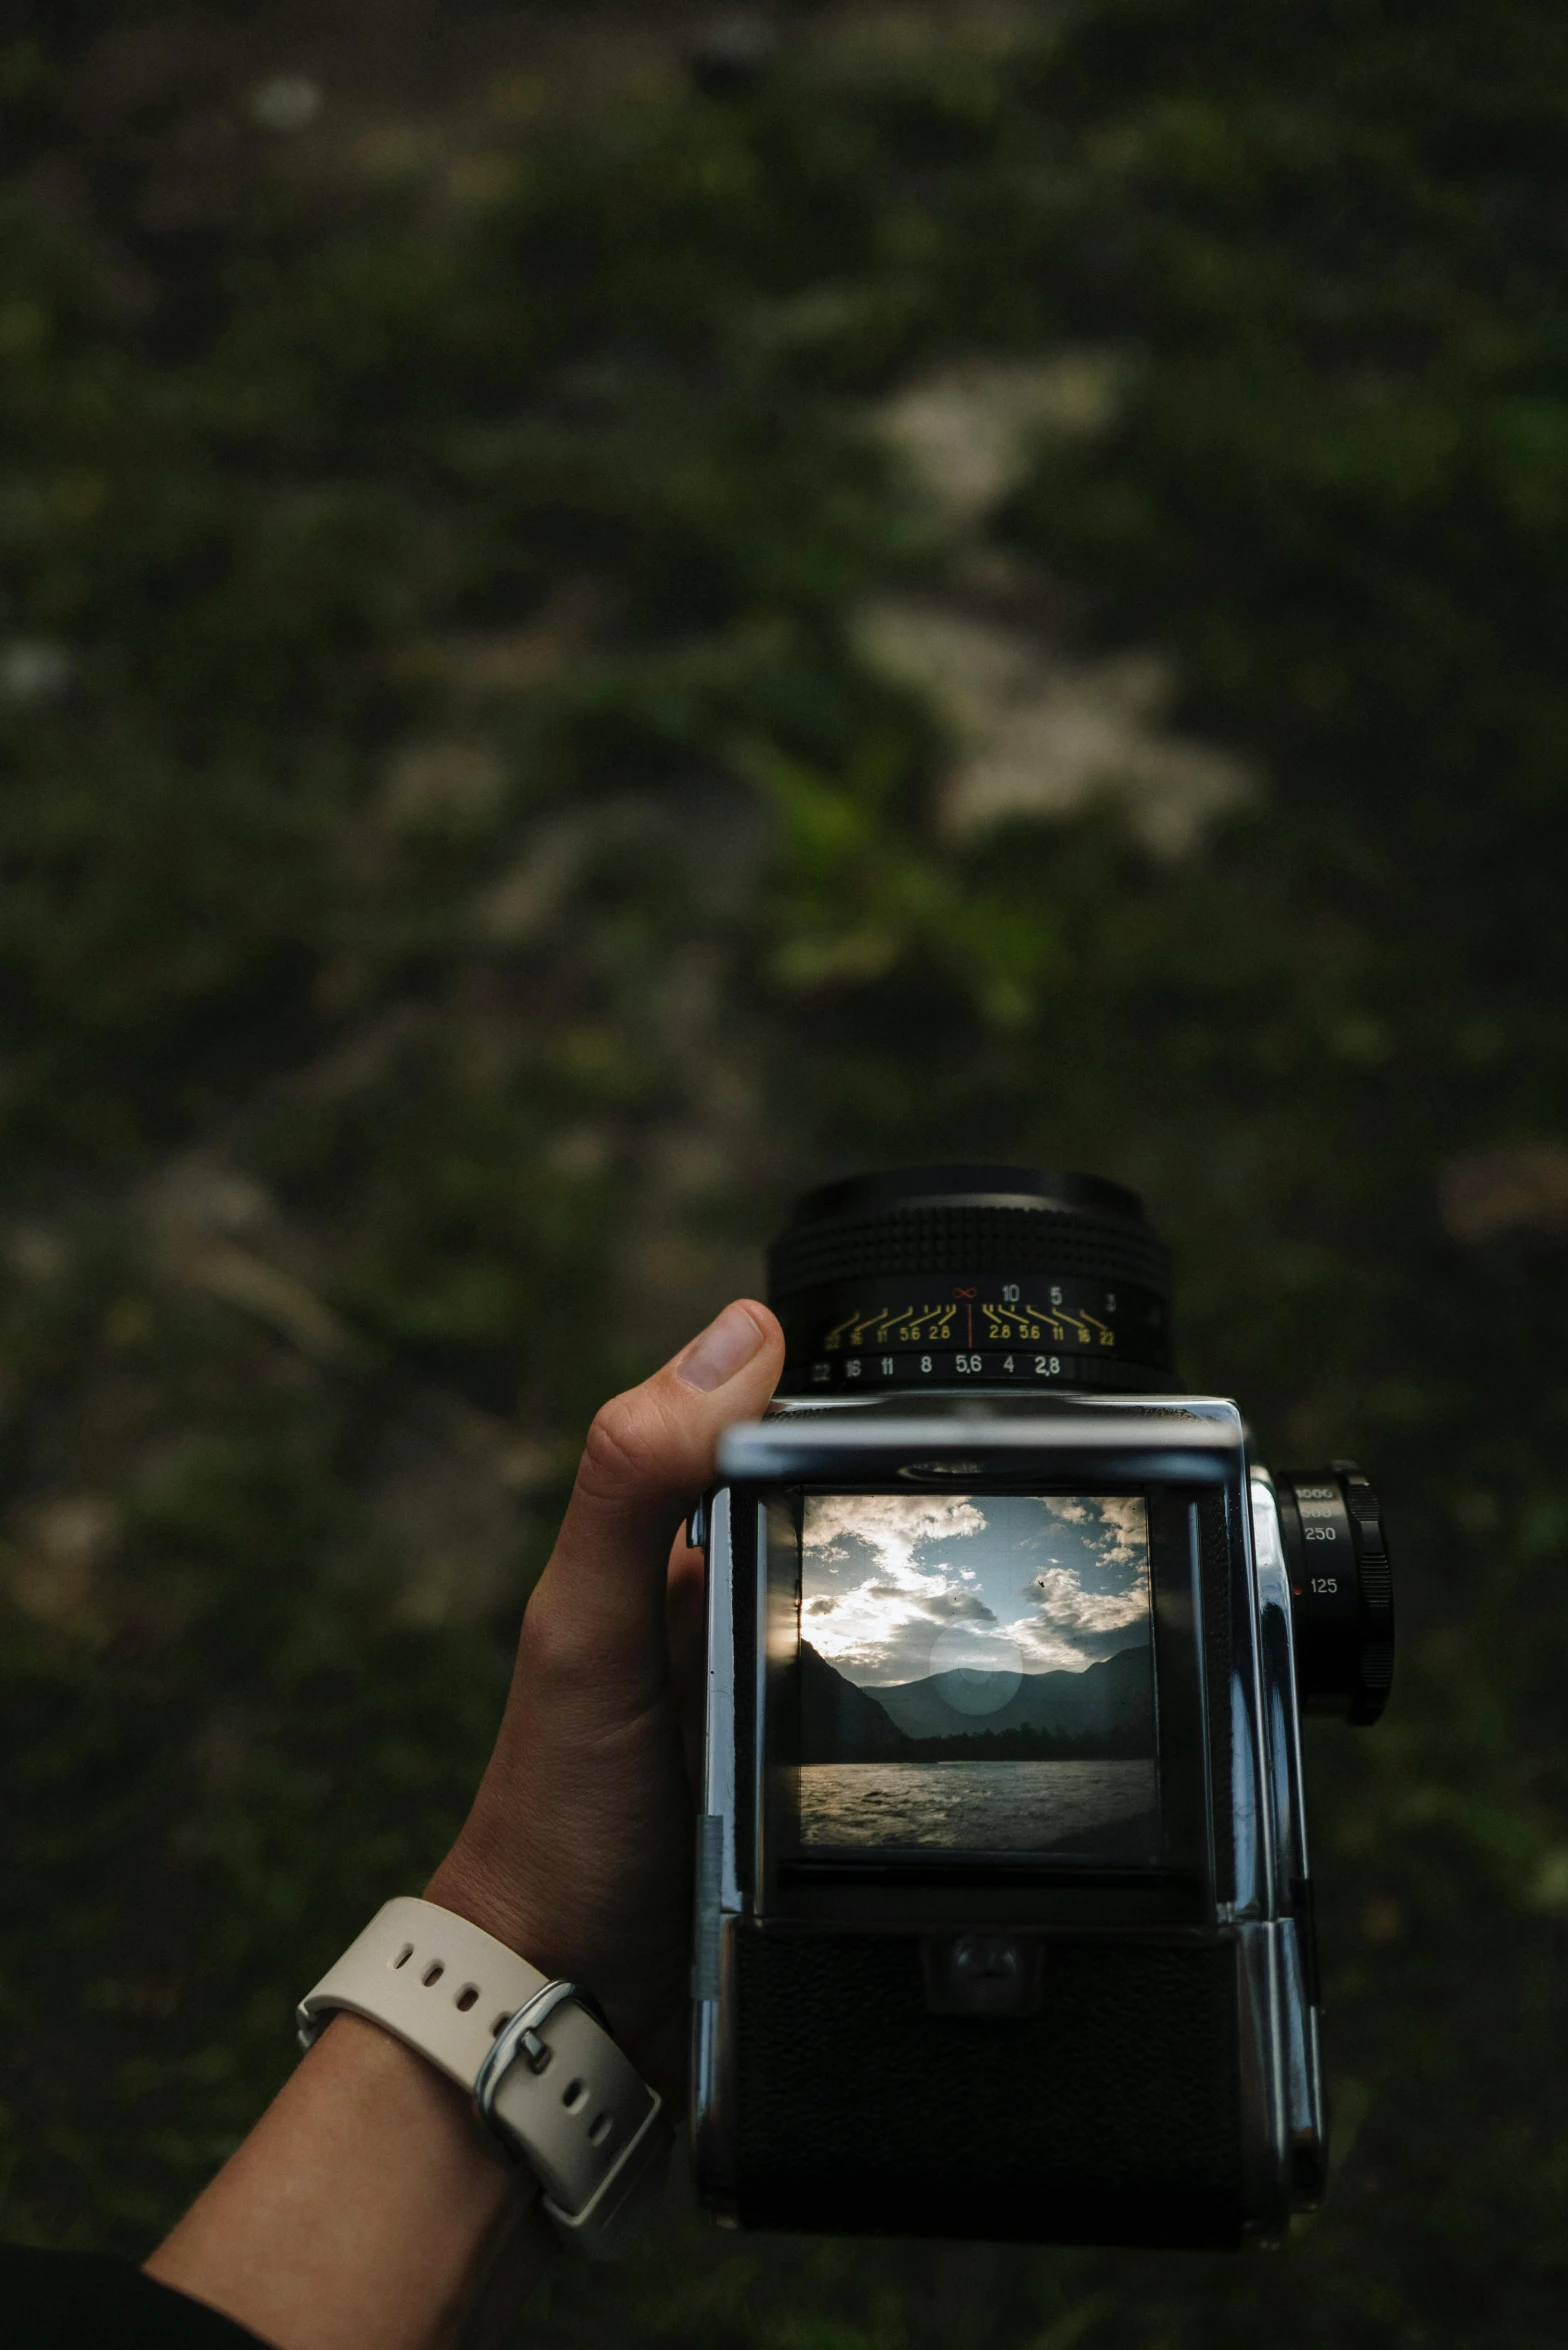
column 1115, row 1698
column 838, row 1722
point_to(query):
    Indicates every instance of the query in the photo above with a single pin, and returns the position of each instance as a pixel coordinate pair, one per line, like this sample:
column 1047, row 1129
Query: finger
column 648, row 1454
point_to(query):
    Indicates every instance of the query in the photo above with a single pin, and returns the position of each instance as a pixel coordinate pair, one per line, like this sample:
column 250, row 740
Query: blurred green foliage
column 463, row 869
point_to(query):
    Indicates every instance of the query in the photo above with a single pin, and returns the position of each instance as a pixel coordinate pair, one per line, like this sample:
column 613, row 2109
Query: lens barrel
column 1015, row 1278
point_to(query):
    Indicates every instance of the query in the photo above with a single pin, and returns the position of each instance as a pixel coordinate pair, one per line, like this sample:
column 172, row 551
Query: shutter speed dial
column 1342, row 1596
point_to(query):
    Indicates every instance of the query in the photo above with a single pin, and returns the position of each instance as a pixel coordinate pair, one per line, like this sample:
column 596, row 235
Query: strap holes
column 499, row 2026
column 433, row 1972
column 573, row 2094
column 468, row 1997
column 404, row 1955
column 601, row 2129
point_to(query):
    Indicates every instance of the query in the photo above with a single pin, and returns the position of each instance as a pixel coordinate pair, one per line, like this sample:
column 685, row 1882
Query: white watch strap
column 543, row 2072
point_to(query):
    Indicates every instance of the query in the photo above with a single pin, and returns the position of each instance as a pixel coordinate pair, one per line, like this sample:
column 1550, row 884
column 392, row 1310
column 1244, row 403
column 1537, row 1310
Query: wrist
column 643, row 1996
column 468, row 1884
column 527, row 2052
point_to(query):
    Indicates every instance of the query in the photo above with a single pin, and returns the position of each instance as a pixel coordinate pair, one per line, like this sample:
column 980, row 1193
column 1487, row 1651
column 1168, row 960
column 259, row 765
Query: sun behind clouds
column 896, row 1585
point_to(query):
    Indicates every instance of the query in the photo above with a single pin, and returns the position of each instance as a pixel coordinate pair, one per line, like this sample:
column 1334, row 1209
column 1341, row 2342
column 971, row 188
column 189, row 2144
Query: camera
column 1003, row 1907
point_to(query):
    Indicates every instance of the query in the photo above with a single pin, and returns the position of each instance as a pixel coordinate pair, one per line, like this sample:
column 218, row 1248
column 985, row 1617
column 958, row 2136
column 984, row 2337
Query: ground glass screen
column 977, row 1674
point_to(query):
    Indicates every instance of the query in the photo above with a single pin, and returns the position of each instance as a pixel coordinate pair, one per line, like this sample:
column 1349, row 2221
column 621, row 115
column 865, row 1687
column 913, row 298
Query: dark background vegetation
column 468, row 856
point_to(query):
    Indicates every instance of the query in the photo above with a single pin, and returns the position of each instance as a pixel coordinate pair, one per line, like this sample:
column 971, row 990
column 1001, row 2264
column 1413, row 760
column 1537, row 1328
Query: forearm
column 365, row 2211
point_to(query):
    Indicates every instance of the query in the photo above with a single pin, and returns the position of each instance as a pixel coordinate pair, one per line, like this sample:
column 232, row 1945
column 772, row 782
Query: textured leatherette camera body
column 1152, row 2075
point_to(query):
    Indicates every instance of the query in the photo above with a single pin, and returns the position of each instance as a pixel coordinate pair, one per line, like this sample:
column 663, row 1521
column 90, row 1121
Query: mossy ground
column 463, row 870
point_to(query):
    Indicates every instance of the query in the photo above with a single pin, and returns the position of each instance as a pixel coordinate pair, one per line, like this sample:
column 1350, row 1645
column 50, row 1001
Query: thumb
column 648, row 1454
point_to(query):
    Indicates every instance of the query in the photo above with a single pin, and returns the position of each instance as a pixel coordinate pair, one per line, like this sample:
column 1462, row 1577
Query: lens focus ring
column 965, row 1276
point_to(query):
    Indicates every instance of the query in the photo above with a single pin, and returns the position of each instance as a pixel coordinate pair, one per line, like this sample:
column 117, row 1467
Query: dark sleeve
column 79, row 2300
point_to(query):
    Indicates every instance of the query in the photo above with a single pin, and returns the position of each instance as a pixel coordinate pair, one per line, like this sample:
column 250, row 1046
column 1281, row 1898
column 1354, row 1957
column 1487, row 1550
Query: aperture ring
column 1026, row 1330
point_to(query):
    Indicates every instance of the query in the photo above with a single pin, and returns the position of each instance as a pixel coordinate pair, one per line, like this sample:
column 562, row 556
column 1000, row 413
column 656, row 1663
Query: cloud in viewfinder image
column 896, row 1586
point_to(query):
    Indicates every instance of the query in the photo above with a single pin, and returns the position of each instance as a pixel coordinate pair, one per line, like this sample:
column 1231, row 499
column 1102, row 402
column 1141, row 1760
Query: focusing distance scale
column 998, row 1277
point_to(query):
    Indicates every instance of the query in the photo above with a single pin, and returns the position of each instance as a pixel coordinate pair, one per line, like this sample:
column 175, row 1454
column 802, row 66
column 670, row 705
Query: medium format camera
column 1004, row 1917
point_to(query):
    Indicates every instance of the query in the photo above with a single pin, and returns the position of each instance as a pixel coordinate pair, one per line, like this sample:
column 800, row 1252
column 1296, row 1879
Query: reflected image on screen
column 977, row 1674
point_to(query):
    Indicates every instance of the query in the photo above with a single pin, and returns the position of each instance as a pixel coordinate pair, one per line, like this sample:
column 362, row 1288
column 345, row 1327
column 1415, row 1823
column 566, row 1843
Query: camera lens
column 995, row 1277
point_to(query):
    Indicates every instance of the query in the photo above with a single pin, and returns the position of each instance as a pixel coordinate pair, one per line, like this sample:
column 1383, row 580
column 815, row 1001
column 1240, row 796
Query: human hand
column 578, row 1850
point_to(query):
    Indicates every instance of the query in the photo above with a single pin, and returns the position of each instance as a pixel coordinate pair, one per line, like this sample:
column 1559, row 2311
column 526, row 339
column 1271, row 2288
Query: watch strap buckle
column 601, row 2223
